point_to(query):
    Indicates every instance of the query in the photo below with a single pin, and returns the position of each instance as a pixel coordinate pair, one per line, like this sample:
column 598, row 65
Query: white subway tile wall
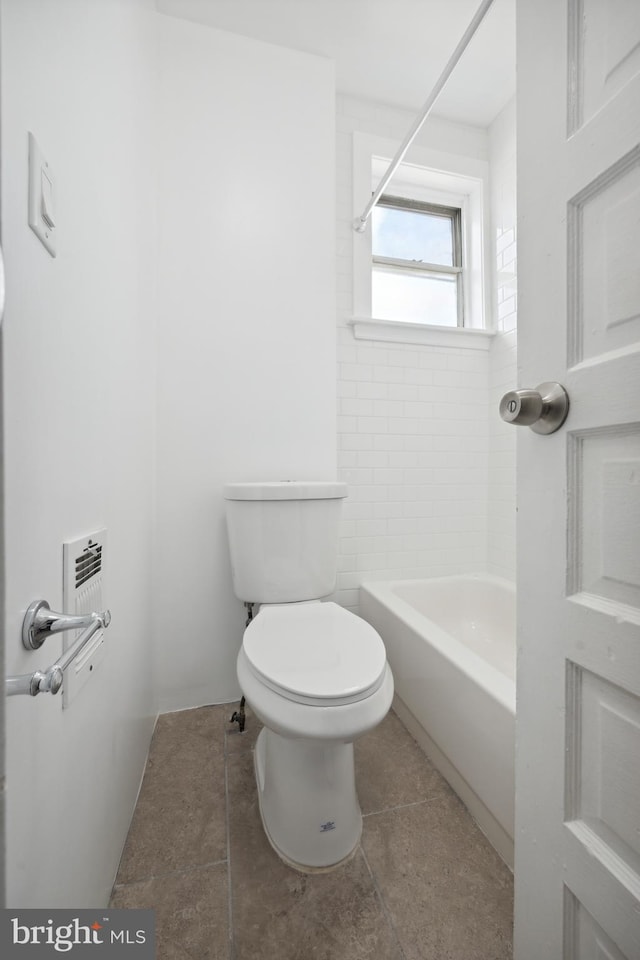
column 430, row 467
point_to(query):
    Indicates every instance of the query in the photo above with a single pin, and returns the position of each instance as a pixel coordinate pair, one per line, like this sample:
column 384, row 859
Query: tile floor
column 424, row 883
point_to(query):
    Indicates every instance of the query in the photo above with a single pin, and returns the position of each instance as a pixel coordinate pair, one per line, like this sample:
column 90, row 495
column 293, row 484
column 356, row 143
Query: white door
column 578, row 734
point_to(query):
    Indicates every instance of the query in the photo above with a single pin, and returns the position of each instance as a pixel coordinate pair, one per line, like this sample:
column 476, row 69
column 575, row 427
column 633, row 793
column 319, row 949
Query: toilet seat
column 315, row 653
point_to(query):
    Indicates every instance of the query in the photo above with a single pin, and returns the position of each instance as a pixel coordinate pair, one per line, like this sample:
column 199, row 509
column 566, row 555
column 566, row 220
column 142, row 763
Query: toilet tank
column 283, row 538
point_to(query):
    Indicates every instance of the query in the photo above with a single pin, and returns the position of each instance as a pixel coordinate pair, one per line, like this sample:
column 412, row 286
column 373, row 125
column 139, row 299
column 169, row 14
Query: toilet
column 314, row 674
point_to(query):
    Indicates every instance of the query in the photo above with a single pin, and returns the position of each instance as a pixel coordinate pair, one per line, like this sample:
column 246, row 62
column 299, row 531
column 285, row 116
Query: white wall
column 246, row 323
column 413, row 426
column 503, row 373
column 78, row 399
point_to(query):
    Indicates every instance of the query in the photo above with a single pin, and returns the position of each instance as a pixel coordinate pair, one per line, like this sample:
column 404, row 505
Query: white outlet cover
column 39, row 169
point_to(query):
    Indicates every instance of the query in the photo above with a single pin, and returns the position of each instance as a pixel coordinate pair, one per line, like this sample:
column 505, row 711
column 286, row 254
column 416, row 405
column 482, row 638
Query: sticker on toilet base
column 329, row 825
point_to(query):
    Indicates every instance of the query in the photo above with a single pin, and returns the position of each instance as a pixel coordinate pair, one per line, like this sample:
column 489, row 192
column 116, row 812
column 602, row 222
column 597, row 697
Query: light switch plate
column 39, row 171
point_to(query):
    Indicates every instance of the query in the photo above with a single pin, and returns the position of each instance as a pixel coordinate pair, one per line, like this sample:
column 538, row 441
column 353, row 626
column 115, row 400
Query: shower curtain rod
column 360, row 222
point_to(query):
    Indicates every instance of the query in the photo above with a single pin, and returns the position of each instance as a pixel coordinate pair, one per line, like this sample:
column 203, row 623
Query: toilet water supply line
column 360, row 222
column 238, row 715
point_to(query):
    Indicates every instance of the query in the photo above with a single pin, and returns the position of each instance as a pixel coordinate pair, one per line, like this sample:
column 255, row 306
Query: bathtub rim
column 495, row 683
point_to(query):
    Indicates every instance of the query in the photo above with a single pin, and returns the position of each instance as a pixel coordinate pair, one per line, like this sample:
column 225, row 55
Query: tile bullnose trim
column 402, row 331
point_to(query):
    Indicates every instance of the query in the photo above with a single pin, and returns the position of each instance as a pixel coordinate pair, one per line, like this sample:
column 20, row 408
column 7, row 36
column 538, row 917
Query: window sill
column 401, row 331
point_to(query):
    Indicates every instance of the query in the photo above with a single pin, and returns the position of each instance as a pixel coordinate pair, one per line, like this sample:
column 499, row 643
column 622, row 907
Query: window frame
column 421, row 268
column 434, row 176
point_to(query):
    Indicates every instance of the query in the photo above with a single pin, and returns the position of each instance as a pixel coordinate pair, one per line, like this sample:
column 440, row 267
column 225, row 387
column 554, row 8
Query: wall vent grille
column 83, row 581
column 89, row 562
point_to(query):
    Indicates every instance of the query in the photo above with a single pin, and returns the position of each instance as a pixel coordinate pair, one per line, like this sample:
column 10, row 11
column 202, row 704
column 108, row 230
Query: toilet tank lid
column 286, row 490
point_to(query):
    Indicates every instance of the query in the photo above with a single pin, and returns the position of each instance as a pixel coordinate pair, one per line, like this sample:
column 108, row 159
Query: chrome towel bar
column 41, row 622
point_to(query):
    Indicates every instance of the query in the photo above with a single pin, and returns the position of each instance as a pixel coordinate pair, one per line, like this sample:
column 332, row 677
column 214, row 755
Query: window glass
column 416, row 270
column 419, row 298
column 408, row 235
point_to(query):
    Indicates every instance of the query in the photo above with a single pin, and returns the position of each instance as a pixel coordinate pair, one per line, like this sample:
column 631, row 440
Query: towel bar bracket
column 40, row 622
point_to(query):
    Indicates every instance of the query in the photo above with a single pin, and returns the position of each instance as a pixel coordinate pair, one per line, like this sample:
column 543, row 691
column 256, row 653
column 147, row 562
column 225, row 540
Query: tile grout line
column 232, row 951
column 404, row 806
column 383, row 902
column 179, row 871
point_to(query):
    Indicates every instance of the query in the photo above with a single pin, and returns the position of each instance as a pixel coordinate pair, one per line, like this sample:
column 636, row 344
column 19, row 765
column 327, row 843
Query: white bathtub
column 451, row 645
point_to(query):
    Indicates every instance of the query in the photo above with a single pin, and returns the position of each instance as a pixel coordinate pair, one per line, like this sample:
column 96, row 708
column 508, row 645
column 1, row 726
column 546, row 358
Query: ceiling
column 388, row 51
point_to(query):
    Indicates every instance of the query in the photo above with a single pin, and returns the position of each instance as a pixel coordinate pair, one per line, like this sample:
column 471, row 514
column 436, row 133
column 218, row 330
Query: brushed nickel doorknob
column 544, row 409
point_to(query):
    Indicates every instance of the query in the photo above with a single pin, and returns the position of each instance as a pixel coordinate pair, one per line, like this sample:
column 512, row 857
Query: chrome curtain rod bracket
column 360, row 223
column 40, row 622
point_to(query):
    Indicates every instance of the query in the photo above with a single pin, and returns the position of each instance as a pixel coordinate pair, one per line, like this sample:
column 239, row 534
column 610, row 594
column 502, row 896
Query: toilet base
column 308, row 803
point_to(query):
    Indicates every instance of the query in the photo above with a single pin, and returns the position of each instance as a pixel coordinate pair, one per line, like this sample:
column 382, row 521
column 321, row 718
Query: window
column 420, row 274
column 417, row 262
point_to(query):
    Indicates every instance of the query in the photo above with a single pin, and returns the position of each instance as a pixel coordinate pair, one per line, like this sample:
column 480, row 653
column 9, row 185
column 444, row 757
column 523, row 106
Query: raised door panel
column 604, row 54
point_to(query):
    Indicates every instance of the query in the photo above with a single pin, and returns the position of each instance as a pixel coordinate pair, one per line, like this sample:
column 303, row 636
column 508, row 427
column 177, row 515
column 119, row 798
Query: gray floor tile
column 179, row 819
column 282, row 914
column 424, row 885
column 192, row 916
column 391, row 769
column 447, row 891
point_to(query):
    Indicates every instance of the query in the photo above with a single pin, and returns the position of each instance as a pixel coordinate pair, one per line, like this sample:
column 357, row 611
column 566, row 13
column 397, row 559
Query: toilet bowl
column 317, row 677
column 315, row 674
